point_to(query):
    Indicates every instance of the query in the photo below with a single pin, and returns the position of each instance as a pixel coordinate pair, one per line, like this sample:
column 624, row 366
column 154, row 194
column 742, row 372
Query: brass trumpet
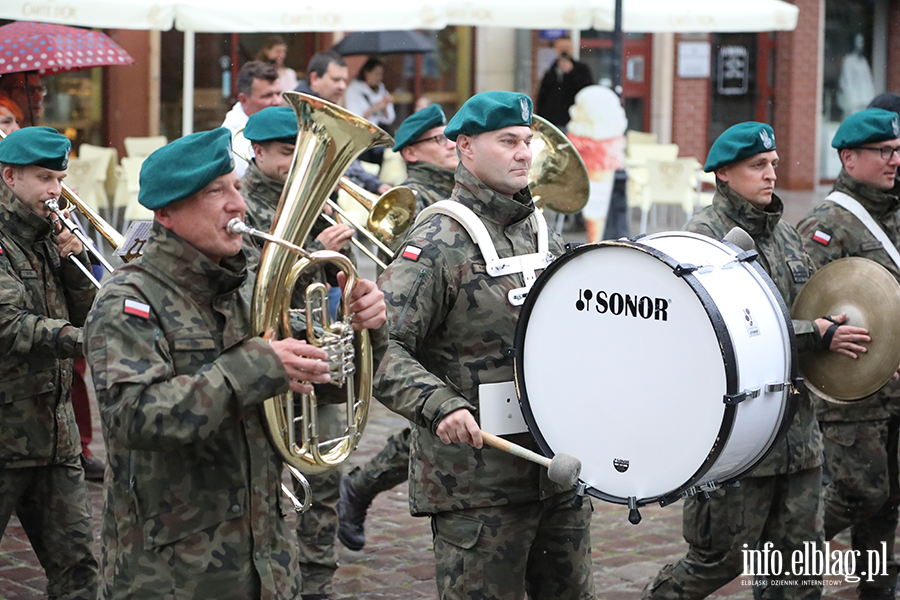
column 329, row 138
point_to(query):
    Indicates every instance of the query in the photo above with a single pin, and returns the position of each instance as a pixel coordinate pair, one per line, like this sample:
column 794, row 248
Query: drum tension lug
column 747, row 256
column 509, row 352
column 578, row 499
column 683, row 269
column 734, row 399
column 570, row 247
column 634, row 515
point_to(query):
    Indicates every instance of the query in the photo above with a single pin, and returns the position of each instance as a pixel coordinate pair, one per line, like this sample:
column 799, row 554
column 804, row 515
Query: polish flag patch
column 138, row 309
column 412, row 253
column 1, row 249
column 821, row 237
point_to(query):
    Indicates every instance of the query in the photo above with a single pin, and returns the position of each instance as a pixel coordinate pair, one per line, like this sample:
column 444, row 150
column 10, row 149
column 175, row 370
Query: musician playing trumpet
column 44, row 299
column 193, row 487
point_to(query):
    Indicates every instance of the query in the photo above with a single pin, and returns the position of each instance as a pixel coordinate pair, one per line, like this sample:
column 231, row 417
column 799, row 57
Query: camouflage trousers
column 785, row 510
column 387, row 469
column 317, row 527
column 862, row 491
column 503, row 552
column 54, row 507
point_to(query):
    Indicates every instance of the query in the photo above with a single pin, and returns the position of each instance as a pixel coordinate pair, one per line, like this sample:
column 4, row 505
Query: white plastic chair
column 126, row 198
column 669, row 182
column 142, row 147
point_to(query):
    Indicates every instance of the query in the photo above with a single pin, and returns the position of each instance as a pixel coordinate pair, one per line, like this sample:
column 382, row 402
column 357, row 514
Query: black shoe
column 93, row 468
column 351, row 511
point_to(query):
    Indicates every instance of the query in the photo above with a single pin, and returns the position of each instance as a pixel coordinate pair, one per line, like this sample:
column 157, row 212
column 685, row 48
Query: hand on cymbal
column 847, row 338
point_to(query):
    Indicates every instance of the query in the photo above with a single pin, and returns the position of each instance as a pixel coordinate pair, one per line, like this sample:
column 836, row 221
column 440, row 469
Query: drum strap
column 526, row 264
column 856, row 209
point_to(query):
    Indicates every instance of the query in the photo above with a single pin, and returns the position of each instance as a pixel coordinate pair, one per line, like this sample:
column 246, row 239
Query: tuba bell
column 329, row 138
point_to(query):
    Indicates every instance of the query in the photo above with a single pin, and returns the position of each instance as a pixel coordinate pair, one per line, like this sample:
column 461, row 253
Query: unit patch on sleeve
column 412, row 253
column 138, row 309
column 821, row 237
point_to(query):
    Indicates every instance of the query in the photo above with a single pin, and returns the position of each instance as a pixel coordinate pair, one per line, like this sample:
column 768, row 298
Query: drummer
column 860, row 440
column 500, row 526
column 781, row 500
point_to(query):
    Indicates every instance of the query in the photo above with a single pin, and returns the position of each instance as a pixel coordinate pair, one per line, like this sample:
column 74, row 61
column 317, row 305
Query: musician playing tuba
column 194, row 482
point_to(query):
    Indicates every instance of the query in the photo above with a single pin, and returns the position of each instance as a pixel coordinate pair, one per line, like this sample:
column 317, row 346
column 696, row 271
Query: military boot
column 351, row 511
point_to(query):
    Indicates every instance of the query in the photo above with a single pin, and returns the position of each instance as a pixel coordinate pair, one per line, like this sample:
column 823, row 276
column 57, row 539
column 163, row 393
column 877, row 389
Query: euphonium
column 329, row 138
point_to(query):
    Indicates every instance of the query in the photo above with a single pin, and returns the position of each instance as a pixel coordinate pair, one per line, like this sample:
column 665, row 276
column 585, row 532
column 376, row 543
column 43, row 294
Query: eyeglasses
column 34, row 89
column 440, row 139
column 887, row 152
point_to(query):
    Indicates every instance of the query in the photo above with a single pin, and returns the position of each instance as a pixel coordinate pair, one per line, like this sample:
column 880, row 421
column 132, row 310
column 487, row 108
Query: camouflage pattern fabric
column 862, row 487
column 780, row 501
column 451, row 325
column 193, row 501
column 849, row 237
column 783, row 509
column 432, row 183
column 43, row 303
column 54, row 508
column 782, row 256
column 387, row 469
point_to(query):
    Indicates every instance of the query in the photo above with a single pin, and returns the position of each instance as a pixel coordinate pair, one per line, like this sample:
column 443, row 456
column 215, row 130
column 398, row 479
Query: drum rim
column 719, row 328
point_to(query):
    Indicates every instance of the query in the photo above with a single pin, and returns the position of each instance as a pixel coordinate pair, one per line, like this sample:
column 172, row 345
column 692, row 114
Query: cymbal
column 870, row 296
column 558, row 178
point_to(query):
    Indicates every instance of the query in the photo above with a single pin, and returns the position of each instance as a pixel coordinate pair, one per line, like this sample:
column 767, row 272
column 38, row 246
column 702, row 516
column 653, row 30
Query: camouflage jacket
column 43, row 303
column 193, row 499
column 431, row 182
column 849, row 237
column 451, row 324
column 782, row 256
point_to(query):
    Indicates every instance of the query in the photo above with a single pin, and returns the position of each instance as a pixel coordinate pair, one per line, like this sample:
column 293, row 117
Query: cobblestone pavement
column 397, row 562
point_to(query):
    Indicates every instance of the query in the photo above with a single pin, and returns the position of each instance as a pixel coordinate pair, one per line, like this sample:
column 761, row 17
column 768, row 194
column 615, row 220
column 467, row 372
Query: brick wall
column 798, row 89
column 690, row 112
column 893, row 58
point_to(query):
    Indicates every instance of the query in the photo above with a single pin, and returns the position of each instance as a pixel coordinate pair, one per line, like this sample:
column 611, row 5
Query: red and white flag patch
column 821, row 237
column 138, row 309
column 1, row 249
column 412, row 253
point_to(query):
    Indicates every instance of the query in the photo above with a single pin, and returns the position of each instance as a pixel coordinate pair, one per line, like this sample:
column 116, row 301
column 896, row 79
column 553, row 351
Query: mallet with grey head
column 562, row 468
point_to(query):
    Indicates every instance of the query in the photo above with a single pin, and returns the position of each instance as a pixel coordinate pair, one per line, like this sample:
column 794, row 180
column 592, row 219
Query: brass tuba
column 329, row 138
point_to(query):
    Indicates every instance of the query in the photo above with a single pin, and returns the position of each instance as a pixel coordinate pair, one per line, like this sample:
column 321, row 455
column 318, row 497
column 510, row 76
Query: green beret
column 490, row 111
column 41, row 146
column 185, row 167
column 739, row 142
column 418, row 123
column 866, row 126
column 275, row 123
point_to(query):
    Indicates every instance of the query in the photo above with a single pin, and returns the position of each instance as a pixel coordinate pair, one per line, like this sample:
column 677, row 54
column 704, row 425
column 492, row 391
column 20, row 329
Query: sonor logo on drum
column 621, row 464
column 617, row 304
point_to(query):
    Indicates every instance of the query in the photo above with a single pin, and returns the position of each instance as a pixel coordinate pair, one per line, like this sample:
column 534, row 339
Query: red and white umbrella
column 48, row 48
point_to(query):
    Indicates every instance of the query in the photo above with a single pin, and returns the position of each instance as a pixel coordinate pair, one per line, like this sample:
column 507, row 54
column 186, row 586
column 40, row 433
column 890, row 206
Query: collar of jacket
column 169, row 257
column 878, row 203
column 431, row 174
column 488, row 204
column 21, row 223
column 754, row 221
column 261, row 185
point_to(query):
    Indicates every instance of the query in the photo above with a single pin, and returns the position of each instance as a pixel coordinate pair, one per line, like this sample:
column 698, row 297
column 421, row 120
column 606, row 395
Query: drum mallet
column 562, row 468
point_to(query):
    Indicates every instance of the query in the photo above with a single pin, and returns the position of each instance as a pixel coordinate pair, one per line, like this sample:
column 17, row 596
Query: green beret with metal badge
column 490, row 111
column 272, row 124
column 417, row 124
column 739, row 142
column 865, row 127
column 184, row 167
column 40, row 146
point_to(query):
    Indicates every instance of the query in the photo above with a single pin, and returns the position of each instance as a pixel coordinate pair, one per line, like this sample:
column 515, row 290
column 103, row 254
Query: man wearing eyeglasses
column 860, row 218
column 27, row 91
column 431, row 163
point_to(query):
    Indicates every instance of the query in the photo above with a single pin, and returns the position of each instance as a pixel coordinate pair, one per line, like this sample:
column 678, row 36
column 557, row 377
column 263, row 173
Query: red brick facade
column 798, row 88
column 690, row 112
column 893, row 57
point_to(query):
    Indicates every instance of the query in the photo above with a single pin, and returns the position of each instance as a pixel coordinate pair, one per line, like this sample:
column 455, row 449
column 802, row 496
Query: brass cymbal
column 558, row 178
column 870, row 296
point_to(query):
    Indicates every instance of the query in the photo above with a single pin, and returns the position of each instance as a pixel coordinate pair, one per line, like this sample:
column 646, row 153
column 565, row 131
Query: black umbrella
column 384, row 42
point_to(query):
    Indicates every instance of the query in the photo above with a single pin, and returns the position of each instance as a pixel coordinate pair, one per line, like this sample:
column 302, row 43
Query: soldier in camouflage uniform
column 431, row 163
column 193, row 503
column 780, row 500
column 43, row 303
column 501, row 527
column 273, row 133
column 862, row 491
